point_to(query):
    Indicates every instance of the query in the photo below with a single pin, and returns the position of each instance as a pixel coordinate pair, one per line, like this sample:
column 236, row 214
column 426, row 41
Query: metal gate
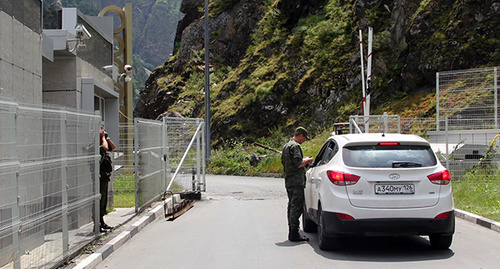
column 168, row 155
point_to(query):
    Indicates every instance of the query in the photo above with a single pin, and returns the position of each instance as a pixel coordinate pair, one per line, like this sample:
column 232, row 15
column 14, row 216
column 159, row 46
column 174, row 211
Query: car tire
column 307, row 224
column 440, row 241
column 324, row 242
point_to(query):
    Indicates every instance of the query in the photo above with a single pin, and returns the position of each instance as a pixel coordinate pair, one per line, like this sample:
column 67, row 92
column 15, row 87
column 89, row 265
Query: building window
column 99, row 106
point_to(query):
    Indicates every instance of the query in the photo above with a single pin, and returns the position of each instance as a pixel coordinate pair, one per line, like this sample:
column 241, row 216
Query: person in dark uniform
column 294, row 165
column 106, row 144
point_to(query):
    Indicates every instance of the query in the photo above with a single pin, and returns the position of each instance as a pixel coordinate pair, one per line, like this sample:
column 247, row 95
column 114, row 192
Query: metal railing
column 50, row 194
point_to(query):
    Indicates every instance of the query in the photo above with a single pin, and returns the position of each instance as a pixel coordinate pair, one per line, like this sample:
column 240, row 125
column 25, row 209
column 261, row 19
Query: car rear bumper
column 334, row 226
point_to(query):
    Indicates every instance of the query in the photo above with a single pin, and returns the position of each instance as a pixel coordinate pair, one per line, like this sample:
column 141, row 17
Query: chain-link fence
column 49, row 194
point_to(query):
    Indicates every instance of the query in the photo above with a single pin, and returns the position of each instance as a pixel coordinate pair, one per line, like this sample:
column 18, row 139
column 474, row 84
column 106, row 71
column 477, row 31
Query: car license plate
column 394, row 188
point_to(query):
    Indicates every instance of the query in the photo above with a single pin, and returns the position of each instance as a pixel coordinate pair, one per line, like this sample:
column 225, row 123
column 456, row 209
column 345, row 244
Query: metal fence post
column 198, row 156
column 97, row 187
column 437, row 101
column 16, row 221
column 203, row 160
column 446, row 143
column 495, row 89
column 136, row 163
column 64, row 185
column 165, row 153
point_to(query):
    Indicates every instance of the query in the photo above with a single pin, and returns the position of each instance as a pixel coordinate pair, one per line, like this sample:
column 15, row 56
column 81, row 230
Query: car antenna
column 383, row 134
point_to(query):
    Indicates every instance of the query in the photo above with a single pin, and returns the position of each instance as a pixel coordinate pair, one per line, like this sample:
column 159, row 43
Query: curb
column 487, row 223
column 102, row 253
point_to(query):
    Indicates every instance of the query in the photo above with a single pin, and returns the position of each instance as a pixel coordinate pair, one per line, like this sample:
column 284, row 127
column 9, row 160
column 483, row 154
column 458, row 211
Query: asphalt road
column 241, row 223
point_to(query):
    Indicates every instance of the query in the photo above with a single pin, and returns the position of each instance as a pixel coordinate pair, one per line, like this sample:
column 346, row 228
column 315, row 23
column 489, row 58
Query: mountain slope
column 287, row 63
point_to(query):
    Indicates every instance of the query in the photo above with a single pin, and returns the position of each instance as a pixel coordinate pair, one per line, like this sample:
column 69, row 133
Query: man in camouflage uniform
column 295, row 180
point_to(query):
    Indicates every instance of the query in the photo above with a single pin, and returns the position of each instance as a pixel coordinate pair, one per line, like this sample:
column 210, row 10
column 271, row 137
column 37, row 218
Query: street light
column 207, row 86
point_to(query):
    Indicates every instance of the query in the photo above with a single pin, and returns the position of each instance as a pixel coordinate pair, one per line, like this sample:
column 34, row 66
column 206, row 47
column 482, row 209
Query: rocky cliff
column 283, row 63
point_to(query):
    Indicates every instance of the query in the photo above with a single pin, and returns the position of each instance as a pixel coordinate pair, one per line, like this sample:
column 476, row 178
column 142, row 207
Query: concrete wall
column 20, row 61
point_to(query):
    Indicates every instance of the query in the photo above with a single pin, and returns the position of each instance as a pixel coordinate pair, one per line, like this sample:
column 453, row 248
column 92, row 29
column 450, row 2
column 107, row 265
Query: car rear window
column 395, row 156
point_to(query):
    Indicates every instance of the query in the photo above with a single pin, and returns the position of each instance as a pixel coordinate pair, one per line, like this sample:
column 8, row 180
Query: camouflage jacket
column 291, row 158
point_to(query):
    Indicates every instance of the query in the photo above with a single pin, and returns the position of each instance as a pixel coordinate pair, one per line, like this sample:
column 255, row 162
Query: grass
column 124, row 190
column 478, row 192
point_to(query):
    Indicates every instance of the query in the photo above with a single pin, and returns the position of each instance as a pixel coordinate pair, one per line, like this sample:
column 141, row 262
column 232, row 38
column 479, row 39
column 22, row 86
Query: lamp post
column 207, row 86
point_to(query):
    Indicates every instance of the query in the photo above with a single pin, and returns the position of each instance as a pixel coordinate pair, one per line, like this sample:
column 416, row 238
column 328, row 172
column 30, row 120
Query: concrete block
column 37, row 87
column 18, row 43
column 28, row 86
column 5, row 37
column 6, row 79
column 30, row 45
column 18, row 91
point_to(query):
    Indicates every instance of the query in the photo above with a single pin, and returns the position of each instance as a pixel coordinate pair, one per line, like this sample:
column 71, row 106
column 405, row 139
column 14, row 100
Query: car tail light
column 443, row 215
column 388, row 144
column 344, row 216
column 342, row 179
column 440, row 178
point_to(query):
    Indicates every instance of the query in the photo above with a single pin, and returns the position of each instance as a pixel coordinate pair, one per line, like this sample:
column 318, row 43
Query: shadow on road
column 378, row 249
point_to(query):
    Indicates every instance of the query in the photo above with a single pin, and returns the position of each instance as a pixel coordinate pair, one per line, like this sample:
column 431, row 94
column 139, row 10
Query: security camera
column 128, row 69
column 82, row 32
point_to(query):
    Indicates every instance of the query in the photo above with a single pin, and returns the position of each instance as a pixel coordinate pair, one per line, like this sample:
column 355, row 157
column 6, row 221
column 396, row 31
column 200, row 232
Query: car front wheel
column 325, row 242
column 439, row 241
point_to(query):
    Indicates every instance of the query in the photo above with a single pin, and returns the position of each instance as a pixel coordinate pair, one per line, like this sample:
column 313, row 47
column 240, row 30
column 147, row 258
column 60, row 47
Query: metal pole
column 136, row 163
column 437, row 101
column 447, row 144
column 495, row 88
column 363, row 81
column 207, row 84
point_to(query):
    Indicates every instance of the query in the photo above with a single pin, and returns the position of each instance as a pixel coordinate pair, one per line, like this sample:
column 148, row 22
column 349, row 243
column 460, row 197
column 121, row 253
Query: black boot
column 104, row 227
column 295, row 236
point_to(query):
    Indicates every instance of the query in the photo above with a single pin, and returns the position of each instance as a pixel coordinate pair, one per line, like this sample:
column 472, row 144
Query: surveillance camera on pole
column 82, row 32
column 127, row 75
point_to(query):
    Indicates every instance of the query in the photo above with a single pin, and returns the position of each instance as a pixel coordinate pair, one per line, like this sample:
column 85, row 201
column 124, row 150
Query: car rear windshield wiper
column 400, row 164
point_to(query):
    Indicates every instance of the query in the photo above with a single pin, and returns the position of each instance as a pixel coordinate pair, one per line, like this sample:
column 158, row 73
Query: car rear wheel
column 308, row 225
column 324, row 242
column 439, row 241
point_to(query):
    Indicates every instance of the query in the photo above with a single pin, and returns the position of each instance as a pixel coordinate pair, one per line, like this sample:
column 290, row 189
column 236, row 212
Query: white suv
column 378, row 184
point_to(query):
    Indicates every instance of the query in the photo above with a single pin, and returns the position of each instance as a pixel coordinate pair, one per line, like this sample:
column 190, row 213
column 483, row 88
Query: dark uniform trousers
column 295, row 206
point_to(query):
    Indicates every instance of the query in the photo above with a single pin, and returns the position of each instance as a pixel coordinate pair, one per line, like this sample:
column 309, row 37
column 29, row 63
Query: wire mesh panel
column 167, row 155
column 123, row 178
column 185, row 153
column 9, row 165
column 123, row 157
column 375, row 123
column 150, row 161
column 464, row 96
column 49, row 193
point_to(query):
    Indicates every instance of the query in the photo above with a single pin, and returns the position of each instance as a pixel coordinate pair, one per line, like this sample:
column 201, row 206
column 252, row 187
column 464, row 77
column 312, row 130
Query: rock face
column 284, row 84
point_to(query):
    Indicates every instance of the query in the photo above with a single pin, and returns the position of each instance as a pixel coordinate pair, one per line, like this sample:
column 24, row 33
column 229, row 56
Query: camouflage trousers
column 295, row 206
